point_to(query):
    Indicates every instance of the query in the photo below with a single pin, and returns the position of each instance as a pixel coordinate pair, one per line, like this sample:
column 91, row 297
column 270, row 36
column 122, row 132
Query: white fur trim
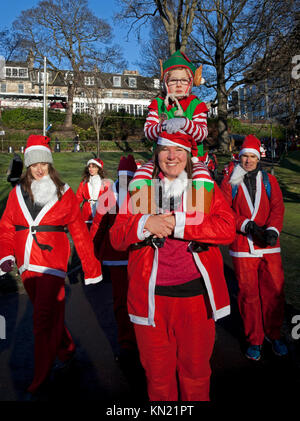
column 180, row 225
column 93, row 161
column 250, row 150
column 141, row 232
column 43, row 190
column 274, row 229
column 175, row 187
column 90, row 281
column 237, row 175
column 37, row 153
column 243, row 226
column 168, row 142
column 4, row 259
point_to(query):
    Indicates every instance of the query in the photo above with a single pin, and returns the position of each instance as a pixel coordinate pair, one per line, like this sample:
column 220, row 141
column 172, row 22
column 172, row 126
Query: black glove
column 270, row 237
column 258, row 233
column 250, row 227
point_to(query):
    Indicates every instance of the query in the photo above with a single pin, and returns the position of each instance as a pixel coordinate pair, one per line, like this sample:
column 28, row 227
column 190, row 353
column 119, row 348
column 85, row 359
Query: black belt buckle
column 158, row 242
column 198, row 247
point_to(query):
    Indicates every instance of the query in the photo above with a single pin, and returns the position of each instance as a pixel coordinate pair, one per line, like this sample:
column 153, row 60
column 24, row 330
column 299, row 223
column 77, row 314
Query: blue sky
column 101, row 8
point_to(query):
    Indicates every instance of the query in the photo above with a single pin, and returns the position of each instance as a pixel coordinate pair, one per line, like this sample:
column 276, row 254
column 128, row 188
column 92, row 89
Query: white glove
column 173, row 125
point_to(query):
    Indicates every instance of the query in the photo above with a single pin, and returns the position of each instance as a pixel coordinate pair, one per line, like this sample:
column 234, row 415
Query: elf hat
column 251, row 145
column 180, row 139
column 179, row 59
column 127, row 166
column 95, row 161
column 37, row 150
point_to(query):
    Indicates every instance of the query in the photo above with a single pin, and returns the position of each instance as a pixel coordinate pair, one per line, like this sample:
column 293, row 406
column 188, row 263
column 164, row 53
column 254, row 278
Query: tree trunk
column 223, row 136
column 68, row 124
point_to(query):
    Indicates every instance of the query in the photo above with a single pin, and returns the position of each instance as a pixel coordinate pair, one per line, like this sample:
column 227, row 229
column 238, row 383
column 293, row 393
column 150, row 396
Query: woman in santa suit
column 90, row 188
column 39, row 212
column 175, row 269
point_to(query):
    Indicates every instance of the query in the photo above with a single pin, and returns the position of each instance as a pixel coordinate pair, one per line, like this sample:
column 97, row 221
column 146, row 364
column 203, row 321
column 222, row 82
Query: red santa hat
column 180, row 139
column 251, row 145
column 95, row 161
column 127, row 166
column 37, row 150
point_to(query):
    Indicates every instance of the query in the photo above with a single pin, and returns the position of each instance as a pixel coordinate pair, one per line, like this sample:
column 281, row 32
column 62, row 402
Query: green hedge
column 259, row 130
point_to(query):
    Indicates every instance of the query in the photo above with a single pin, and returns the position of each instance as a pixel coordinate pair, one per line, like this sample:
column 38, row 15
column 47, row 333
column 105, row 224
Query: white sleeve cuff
column 142, row 233
column 90, row 281
column 4, row 259
column 179, row 224
column 274, row 229
column 244, row 225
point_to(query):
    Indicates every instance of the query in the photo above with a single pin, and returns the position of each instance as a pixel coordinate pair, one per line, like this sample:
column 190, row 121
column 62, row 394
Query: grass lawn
column 70, row 167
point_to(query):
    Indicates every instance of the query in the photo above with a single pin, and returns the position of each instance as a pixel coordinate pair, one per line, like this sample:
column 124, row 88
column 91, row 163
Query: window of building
column 41, row 77
column 156, row 83
column 57, row 91
column 117, row 81
column 81, row 107
column 23, row 72
column 132, row 82
column 89, row 80
column 108, row 94
column 20, row 88
column 125, row 95
column 20, row 72
column 3, row 87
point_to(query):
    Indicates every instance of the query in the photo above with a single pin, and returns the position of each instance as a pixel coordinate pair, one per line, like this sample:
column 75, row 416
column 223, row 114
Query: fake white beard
column 95, row 182
column 237, row 175
column 43, row 190
column 175, row 187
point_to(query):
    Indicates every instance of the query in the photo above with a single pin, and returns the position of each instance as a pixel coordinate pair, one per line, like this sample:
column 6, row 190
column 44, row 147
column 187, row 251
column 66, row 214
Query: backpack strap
column 266, row 182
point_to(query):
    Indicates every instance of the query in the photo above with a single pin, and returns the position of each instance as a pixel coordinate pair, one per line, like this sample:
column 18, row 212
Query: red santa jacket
column 265, row 212
column 102, row 222
column 83, row 195
column 21, row 244
column 217, row 227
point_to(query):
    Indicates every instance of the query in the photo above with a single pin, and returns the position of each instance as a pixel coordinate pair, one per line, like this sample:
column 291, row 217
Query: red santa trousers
column 51, row 338
column 119, row 280
column 260, row 296
column 181, row 343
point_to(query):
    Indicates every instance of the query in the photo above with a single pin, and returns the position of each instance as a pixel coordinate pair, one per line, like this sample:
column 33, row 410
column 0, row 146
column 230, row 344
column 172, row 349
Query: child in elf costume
column 177, row 109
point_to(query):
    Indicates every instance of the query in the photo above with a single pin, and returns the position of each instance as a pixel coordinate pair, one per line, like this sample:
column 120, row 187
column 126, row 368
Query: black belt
column 159, row 242
column 42, row 228
column 149, row 241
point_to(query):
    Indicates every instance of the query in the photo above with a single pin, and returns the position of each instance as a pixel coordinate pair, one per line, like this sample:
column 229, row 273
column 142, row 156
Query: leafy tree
column 69, row 35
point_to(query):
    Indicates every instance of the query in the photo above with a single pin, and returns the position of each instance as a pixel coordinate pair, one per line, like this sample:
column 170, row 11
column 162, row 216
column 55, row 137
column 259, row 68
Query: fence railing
column 18, row 146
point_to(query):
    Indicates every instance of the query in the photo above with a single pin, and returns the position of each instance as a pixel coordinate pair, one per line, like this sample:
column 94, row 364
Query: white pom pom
column 195, row 159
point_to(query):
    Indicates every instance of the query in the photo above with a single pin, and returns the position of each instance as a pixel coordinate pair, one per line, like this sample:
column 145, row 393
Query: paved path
column 96, row 376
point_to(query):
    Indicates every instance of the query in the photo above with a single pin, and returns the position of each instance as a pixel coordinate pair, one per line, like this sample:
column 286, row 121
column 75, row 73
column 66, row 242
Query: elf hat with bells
column 178, row 60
